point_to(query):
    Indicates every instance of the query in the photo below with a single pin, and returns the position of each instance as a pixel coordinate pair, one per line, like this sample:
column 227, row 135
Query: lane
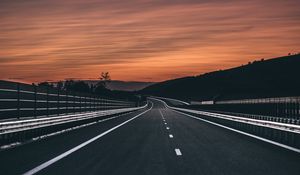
column 140, row 147
column 22, row 158
column 209, row 149
column 65, row 154
column 160, row 141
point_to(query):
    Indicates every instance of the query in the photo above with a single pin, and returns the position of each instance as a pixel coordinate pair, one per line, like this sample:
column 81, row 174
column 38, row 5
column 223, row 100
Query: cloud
column 161, row 39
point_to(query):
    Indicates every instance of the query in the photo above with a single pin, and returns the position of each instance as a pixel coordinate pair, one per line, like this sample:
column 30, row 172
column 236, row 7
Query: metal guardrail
column 21, row 100
column 260, row 117
column 17, row 126
column 22, row 130
column 283, row 108
column 261, row 100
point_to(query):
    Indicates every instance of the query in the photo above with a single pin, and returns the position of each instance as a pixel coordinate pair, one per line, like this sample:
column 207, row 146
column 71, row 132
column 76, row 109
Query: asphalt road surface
column 154, row 141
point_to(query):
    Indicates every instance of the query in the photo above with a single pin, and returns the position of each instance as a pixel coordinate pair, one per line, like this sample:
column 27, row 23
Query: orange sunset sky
column 142, row 40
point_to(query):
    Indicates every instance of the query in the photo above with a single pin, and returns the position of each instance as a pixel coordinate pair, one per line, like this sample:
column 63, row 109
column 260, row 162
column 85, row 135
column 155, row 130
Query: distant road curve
column 172, row 100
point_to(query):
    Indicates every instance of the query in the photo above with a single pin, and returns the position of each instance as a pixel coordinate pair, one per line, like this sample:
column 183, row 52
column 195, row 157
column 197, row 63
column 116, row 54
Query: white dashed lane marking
column 178, row 152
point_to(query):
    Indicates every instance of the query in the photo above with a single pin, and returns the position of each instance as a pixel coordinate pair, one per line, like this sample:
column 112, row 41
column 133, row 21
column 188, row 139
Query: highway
column 156, row 140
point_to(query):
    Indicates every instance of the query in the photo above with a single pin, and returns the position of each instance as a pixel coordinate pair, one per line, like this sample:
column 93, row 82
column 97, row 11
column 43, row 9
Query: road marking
column 171, row 136
column 57, row 158
column 244, row 133
column 165, row 123
column 167, row 128
column 178, row 152
column 161, row 114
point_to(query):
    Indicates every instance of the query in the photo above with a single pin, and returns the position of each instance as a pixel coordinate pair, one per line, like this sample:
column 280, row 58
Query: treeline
column 100, row 88
column 77, row 86
column 81, row 86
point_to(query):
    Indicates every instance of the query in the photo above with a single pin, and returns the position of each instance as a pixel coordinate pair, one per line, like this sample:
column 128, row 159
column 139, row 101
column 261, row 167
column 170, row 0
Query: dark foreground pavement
column 147, row 144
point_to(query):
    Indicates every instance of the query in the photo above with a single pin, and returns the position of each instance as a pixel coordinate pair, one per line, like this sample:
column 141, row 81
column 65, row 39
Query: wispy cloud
column 161, row 39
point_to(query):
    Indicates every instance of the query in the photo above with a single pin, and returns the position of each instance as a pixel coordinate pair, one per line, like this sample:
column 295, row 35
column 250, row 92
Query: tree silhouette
column 60, row 85
column 78, row 86
column 68, row 85
column 104, row 79
column 45, row 84
column 101, row 86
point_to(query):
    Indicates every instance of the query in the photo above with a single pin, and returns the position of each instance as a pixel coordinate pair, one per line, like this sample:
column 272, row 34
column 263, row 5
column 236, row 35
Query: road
column 158, row 141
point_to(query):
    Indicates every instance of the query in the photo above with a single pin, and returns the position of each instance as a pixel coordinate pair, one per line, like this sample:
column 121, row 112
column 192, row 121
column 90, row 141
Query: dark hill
column 266, row 78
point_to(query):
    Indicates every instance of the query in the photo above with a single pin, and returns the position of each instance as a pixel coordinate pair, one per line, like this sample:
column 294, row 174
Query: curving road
column 153, row 141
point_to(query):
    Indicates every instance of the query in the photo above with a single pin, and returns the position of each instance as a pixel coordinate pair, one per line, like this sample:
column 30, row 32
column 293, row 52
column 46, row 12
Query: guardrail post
column 85, row 104
column 80, row 104
column 47, row 99
column 58, row 95
column 67, row 101
column 97, row 103
column 91, row 104
column 18, row 100
column 293, row 110
column 35, row 99
column 100, row 103
column 298, row 110
column 277, row 110
column 74, row 103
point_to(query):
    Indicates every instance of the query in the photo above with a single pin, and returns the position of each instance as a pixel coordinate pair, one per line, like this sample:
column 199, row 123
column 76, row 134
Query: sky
column 141, row 40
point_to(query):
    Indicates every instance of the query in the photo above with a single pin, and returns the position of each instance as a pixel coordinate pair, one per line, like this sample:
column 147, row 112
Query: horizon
column 131, row 81
column 142, row 41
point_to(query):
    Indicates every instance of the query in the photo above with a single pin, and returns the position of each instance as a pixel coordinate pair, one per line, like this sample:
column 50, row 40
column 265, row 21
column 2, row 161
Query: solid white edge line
column 57, row 158
column 178, row 152
column 244, row 133
column 235, row 130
